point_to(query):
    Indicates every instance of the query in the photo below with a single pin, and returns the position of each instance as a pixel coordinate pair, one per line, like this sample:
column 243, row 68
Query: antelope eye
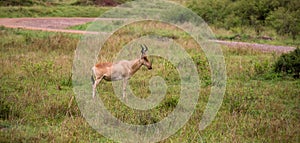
column 145, row 58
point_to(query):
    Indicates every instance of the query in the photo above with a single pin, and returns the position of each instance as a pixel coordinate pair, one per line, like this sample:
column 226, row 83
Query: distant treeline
column 282, row 15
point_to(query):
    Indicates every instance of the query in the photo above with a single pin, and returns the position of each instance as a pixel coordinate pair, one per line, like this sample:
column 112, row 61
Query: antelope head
column 144, row 58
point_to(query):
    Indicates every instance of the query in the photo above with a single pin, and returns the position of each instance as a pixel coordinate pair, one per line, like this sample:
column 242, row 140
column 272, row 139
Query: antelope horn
column 144, row 48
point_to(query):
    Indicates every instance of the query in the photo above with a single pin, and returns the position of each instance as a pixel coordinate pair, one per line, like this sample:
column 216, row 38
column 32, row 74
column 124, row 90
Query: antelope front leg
column 95, row 86
column 124, row 88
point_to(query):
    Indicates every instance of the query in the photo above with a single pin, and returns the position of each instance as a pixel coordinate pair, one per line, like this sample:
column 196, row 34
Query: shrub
column 285, row 21
column 212, row 11
column 281, row 15
column 289, row 63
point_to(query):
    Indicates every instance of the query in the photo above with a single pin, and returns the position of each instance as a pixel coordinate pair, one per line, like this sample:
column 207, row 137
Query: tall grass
column 51, row 11
column 38, row 104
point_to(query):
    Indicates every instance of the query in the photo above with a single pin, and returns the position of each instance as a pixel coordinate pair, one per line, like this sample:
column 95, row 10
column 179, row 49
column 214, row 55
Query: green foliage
column 285, row 21
column 260, row 14
column 212, row 11
column 34, row 2
column 289, row 63
column 17, row 2
column 264, row 71
column 253, row 12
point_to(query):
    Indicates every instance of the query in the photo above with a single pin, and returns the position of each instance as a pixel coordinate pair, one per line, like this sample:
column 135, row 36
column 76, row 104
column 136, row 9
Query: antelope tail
column 92, row 77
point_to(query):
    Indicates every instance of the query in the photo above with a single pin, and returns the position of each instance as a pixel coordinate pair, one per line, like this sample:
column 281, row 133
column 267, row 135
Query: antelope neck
column 136, row 66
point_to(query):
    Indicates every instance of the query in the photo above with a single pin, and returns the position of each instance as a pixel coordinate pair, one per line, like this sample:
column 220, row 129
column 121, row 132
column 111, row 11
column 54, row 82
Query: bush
column 212, row 11
column 281, row 15
column 285, row 21
column 289, row 63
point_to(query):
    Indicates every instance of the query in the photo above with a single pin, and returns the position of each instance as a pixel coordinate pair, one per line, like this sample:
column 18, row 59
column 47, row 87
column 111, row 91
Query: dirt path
column 60, row 25
column 261, row 47
column 46, row 24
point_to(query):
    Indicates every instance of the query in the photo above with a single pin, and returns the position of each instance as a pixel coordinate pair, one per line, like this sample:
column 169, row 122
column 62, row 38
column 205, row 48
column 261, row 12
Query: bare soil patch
column 45, row 24
column 50, row 23
column 255, row 46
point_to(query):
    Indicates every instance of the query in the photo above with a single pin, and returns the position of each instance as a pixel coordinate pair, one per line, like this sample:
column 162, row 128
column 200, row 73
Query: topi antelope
column 122, row 70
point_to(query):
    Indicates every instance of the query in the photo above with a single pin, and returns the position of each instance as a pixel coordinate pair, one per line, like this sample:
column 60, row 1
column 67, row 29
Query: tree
column 286, row 19
column 254, row 12
column 212, row 11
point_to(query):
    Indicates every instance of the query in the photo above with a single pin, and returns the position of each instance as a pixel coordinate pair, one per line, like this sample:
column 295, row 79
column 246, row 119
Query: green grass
column 111, row 25
column 52, row 11
column 248, row 34
column 38, row 105
column 103, row 26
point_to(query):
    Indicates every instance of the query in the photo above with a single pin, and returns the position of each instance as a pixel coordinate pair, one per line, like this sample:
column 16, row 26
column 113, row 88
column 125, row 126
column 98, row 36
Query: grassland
column 38, row 104
column 51, row 11
column 248, row 35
